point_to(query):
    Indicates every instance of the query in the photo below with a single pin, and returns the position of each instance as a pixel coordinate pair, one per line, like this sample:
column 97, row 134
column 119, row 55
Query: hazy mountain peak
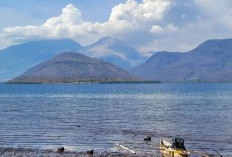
column 109, row 40
column 114, row 51
column 103, row 50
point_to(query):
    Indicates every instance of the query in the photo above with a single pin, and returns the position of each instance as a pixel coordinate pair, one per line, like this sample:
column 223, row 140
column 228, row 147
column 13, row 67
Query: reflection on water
column 82, row 117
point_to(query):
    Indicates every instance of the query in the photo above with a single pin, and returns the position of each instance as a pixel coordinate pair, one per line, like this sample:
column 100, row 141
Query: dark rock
column 60, row 150
column 90, row 152
column 147, row 138
column 78, row 126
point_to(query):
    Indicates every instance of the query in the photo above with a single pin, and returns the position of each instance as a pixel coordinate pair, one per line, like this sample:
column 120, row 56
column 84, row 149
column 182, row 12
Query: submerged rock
column 147, row 138
column 60, row 150
column 90, row 152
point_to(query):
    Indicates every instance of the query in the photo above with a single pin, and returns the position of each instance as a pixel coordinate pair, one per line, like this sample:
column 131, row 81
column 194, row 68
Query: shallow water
column 96, row 116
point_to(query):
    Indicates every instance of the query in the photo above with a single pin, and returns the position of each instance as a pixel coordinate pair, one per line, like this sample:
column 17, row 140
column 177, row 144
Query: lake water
column 96, row 116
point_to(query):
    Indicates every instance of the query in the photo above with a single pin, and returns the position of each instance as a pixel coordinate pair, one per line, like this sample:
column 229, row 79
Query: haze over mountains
column 209, row 62
column 74, row 68
column 114, row 51
column 15, row 60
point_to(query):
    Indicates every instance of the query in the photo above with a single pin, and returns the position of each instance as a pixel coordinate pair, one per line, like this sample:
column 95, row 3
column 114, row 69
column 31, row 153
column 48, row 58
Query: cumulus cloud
column 149, row 25
column 125, row 18
column 57, row 27
column 133, row 12
column 193, row 22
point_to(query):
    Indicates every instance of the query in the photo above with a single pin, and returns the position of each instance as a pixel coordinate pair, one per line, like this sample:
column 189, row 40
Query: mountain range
column 72, row 67
column 211, row 61
column 16, row 59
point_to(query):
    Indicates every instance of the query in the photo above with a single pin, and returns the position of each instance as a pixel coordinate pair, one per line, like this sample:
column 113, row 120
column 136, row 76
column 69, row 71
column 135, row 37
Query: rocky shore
column 22, row 152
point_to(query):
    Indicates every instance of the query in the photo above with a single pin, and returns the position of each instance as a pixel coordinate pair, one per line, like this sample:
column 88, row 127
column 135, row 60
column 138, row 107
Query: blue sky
column 23, row 12
column 148, row 25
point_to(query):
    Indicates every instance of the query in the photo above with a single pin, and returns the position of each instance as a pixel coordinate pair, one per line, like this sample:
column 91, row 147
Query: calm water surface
column 93, row 116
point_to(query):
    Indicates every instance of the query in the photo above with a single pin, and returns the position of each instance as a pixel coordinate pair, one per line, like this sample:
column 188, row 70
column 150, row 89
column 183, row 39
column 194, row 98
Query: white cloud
column 57, row 27
column 217, row 11
column 150, row 25
column 170, row 28
column 156, row 29
column 70, row 16
column 204, row 20
column 133, row 12
column 126, row 18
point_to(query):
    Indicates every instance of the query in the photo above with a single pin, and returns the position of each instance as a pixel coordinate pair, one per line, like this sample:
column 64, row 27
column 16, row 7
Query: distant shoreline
column 118, row 82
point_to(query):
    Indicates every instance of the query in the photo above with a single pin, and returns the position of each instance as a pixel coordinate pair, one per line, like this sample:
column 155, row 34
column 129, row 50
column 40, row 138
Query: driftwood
column 126, row 148
column 200, row 153
column 141, row 142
